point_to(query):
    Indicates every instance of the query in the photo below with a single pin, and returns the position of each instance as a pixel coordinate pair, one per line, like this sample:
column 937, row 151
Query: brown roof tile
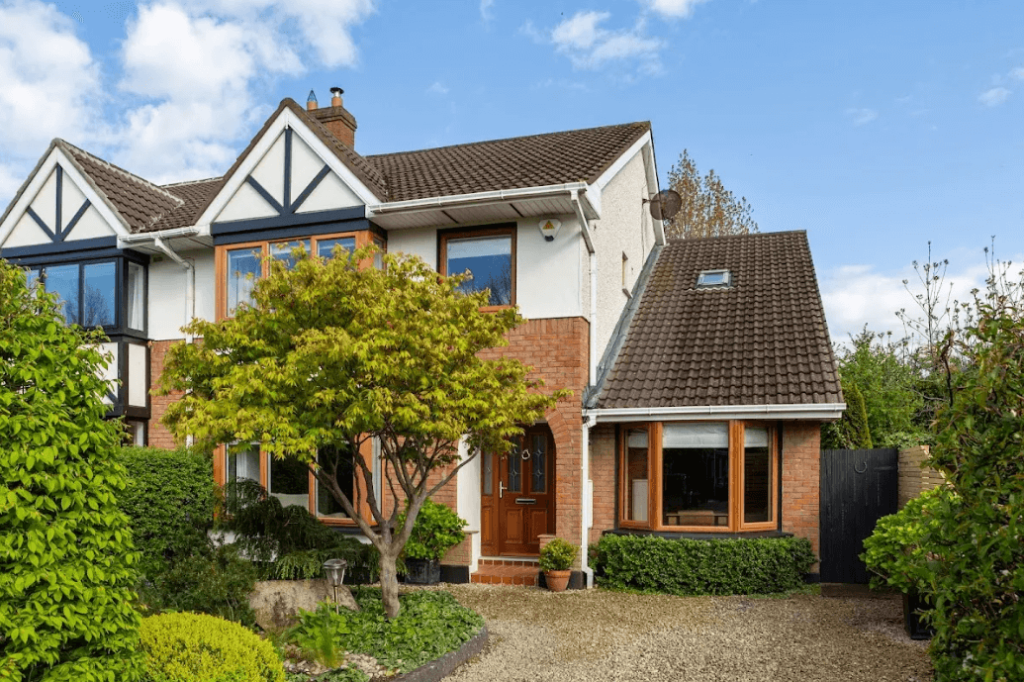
column 763, row 341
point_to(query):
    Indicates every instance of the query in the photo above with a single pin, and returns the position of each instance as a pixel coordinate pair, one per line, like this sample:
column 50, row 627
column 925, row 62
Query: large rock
column 277, row 602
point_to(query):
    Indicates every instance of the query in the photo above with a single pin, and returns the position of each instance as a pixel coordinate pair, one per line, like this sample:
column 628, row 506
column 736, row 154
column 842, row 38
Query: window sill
column 494, row 308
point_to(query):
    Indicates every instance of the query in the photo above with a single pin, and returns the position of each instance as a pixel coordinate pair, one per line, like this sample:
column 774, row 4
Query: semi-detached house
column 700, row 370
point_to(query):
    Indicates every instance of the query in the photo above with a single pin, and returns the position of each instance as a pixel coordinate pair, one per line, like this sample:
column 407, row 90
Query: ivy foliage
column 170, row 500
column 978, row 575
column 191, row 647
column 430, row 625
column 67, row 564
column 703, row 567
column 436, row 530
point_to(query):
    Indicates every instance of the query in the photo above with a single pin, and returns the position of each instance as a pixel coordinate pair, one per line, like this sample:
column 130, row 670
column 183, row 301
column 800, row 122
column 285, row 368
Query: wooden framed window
column 239, row 266
column 698, row 476
column 489, row 254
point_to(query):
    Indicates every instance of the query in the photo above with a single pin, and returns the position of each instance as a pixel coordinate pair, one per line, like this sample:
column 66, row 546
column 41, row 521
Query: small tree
column 332, row 354
column 67, row 567
column 708, row 209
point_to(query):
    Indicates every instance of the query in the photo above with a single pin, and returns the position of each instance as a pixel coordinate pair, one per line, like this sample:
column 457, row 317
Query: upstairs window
column 717, row 279
column 489, row 255
column 107, row 294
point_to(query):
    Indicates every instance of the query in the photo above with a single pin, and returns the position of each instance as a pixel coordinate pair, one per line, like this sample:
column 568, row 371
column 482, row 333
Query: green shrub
column 190, row 647
column 436, row 530
column 894, row 551
column 558, row 555
column 218, row 585
column 169, row 499
column 695, row 567
column 67, row 564
column 429, row 625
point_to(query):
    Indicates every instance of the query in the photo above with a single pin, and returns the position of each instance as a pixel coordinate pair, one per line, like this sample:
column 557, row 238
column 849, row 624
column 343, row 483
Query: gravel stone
column 597, row 634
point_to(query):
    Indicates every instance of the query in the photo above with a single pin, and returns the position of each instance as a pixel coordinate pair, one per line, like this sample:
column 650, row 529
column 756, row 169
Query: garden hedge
column 698, row 567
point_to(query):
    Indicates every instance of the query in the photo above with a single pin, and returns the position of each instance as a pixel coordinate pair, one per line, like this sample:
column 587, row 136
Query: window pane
column 99, row 302
column 136, row 293
column 326, row 505
column 244, row 269
column 636, row 475
column 378, row 256
column 243, row 462
column 488, row 473
column 325, row 247
column 538, row 464
column 289, row 482
column 282, row 251
column 63, row 280
column 695, row 475
column 757, row 476
column 31, row 277
column 515, row 470
column 489, row 260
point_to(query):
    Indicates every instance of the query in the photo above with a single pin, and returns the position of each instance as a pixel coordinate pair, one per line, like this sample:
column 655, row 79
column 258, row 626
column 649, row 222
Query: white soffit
column 824, row 411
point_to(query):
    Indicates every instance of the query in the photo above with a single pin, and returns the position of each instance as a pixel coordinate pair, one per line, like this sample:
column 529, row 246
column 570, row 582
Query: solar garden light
column 334, row 569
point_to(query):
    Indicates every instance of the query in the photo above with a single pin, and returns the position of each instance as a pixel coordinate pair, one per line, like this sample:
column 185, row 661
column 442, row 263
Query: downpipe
column 190, row 281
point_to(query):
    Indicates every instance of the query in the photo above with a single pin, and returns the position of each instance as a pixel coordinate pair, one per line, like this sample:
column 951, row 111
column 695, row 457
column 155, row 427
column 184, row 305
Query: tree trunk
column 389, row 584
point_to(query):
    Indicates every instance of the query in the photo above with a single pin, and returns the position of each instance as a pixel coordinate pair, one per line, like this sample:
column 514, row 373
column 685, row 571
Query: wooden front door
column 517, row 500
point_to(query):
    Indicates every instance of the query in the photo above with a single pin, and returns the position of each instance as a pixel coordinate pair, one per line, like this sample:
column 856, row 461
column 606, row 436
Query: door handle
column 501, row 489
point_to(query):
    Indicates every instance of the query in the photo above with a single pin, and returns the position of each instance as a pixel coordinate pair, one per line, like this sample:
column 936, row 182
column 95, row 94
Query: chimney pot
column 336, row 98
column 311, row 103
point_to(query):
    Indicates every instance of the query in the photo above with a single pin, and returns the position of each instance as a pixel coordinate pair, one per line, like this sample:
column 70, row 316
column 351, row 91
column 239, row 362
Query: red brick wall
column 801, row 462
column 159, row 436
column 602, row 473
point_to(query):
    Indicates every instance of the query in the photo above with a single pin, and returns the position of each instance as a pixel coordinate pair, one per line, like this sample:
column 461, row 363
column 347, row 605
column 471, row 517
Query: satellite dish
column 665, row 204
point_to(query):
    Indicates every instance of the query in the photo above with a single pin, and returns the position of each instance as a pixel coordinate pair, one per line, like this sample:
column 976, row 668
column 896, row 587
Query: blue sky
column 875, row 126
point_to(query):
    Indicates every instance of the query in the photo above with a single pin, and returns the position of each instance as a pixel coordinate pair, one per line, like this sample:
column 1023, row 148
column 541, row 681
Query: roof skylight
column 714, row 278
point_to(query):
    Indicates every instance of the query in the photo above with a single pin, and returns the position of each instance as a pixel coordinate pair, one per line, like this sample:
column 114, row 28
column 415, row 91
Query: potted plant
column 556, row 561
column 436, row 530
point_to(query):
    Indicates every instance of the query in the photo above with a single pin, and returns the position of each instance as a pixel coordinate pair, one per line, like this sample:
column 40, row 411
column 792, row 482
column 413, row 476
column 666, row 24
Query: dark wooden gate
column 858, row 487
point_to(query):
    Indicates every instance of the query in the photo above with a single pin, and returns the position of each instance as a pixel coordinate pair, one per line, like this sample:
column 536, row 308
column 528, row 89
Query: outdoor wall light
column 334, row 569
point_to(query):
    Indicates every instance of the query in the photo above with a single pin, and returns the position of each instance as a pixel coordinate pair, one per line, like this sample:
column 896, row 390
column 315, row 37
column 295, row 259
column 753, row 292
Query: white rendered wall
column 167, row 291
column 625, row 227
column 547, row 273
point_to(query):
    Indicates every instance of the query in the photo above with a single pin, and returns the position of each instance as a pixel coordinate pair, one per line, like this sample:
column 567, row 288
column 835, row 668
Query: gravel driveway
column 600, row 635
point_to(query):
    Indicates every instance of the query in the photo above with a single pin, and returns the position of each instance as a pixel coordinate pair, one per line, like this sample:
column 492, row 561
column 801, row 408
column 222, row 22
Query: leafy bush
column 218, row 585
column 695, row 567
column 169, row 499
column 894, row 552
column 190, row 647
column 429, row 625
column 289, row 543
column 342, row 675
column 558, row 555
column 978, row 572
column 67, row 564
column 436, row 530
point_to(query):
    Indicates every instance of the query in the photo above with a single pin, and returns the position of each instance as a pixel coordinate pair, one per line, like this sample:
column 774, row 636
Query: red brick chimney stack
column 336, row 118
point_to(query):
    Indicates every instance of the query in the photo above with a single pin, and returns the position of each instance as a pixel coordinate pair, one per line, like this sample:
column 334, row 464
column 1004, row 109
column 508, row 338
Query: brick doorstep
column 506, row 575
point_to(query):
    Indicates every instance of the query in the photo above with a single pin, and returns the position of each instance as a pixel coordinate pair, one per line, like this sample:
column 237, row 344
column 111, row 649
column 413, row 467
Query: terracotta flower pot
column 557, row 581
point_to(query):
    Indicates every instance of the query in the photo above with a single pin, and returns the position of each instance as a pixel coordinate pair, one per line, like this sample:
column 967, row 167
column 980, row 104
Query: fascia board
column 822, row 411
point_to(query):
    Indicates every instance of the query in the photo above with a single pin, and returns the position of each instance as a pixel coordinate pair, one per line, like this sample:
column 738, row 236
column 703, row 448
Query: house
column 700, row 369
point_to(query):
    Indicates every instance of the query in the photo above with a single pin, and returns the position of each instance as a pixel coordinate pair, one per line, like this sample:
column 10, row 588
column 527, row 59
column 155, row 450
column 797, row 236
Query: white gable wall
column 26, row 233
column 90, row 226
column 246, row 204
column 269, row 172
column 167, row 291
column 45, row 202
column 330, row 194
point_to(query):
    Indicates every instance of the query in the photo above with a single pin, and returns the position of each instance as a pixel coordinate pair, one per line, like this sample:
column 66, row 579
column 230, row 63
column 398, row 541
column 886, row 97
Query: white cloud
column 1017, row 73
column 861, row 116
column 674, row 8
column 994, row 97
column 438, row 88
column 485, row 9
column 590, row 46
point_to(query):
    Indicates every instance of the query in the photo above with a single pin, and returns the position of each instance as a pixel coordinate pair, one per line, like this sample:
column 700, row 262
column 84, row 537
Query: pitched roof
column 762, row 341
column 529, row 161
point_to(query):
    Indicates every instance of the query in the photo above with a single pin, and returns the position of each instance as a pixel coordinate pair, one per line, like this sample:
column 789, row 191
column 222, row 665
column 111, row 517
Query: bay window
column 108, row 294
column 698, row 476
column 240, row 266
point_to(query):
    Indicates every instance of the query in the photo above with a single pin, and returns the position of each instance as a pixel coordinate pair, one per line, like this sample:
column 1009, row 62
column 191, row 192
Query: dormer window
column 719, row 279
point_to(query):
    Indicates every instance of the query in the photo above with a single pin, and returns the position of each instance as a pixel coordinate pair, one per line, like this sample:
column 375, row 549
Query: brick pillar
column 801, row 479
column 159, row 436
column 602, row 473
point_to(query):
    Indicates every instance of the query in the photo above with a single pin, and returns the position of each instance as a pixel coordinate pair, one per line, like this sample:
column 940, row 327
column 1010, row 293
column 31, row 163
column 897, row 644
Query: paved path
column 599, row 635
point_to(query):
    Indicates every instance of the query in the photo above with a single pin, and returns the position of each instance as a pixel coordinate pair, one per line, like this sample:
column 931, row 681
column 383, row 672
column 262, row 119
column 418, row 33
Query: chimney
column 311, row 104
column 335, row 118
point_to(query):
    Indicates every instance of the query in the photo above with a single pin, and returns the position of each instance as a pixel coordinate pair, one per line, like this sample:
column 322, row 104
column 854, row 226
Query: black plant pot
column 916, row 628
column 423, row 571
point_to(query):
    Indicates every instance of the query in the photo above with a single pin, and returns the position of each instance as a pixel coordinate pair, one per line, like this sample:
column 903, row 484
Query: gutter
column 799, row 411
column 176, row 233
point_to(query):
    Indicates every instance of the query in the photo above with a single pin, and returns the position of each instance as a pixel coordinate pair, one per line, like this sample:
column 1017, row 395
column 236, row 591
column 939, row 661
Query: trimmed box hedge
column 703, row 567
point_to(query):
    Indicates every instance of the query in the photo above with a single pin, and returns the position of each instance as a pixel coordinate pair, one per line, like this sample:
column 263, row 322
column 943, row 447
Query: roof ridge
column 191, row 182
column 515, row 138
column 117, row 169
column 737, row 236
